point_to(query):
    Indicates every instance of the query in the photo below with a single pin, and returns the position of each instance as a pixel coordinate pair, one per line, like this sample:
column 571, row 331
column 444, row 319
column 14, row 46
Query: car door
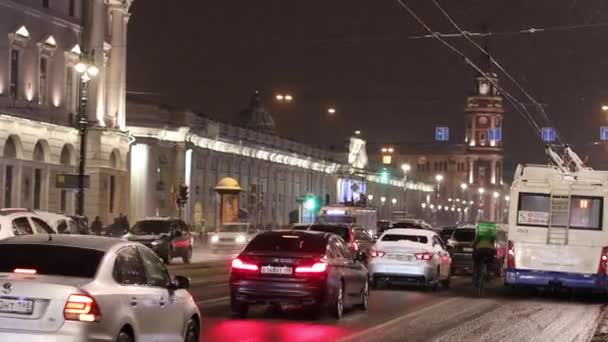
column 169, row 316
column 352, row 270
column 41, row 227
column 136, row 297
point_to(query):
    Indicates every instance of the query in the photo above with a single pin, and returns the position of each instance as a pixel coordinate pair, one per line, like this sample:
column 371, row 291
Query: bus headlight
column 215, row 239
column 240, row 239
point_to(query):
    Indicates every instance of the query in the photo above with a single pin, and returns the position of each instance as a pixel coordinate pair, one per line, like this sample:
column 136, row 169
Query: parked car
column 88, row 288
column 61, row 224
column 168, row 237
column 17, row 221
column 232, row 237
column 305, row 268
column 355, row 236
column 410, row 256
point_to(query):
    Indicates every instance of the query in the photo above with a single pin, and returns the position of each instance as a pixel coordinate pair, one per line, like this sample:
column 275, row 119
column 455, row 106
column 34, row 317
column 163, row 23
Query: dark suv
column 460, row 246
column 168, row 237
column 355, row 236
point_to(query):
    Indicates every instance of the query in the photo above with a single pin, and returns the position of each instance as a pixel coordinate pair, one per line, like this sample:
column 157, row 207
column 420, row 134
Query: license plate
column 16, row 306
column 400, row 257
column 466, row 249
column 276, row 270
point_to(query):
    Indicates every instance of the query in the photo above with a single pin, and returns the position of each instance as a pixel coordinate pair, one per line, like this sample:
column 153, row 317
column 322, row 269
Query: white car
column 410, row 256
column 17, row 221
column 61, row 224
column 74, row 288
column 231, row 237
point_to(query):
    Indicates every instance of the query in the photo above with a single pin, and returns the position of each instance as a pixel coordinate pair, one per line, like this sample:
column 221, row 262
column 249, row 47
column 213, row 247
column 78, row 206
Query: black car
column 355, row 236
column 446, row 233
column 460, row 246
column 168, row 237
column 309, row 269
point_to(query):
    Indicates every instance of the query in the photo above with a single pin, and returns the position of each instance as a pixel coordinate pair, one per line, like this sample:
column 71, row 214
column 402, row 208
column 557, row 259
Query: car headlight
column 155, row 243
column 240, row 239
column 215, row 239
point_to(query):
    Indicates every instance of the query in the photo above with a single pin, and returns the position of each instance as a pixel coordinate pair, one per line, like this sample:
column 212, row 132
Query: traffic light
column 183, row 194
column 384, row 175
column 311, row 203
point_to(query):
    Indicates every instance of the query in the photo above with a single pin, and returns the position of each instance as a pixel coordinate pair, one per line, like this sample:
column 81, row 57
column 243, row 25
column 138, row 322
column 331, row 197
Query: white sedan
column 410, row 256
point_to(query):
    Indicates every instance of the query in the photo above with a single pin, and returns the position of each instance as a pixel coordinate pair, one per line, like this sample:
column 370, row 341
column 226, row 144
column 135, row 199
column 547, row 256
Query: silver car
column 70, row 288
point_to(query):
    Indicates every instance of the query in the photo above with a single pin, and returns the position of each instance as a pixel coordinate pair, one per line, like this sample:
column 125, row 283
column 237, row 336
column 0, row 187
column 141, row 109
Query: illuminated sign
column 336, row 212
column 442, row 133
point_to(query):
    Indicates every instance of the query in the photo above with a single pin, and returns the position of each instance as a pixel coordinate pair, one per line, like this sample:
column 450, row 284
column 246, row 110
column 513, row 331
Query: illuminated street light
column 331, row 110
column 605, row 108
column 439, row 178
column 357, row 132
column 496, row 194
column 370, row 197
column 507, row 198
column 284, row 97
column 439, row 207
column 431, row 206
column 288, row 98
column 279, row 97
column 406, row 167
column 481, row 191
column 423, row 205
column 394, row 201
column 463, row 186
column 382, row 199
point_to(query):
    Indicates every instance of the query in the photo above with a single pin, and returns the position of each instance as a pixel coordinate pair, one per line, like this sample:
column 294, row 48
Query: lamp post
column 406, row 169
column 439, row 179
column 87, row 69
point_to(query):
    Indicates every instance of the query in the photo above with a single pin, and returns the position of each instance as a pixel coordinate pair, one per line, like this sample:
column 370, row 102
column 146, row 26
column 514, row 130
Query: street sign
column 70, row 181
column 548, row 134
column 495, row 134
column 442, row 133
column 604, row 133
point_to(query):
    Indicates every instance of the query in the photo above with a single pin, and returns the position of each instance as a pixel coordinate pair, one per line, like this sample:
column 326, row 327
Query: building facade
column 39, row 102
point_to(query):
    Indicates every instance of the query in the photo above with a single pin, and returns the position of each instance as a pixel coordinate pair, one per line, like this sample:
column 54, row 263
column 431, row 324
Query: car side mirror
column 180, row 282
column 360, row 256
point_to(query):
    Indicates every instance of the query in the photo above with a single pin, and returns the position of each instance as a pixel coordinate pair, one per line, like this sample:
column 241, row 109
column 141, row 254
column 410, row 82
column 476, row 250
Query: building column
column 115, row 86
column 493, row 172
column 95, row 29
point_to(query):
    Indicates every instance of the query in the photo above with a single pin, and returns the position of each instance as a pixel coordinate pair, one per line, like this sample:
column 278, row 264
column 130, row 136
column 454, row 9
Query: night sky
column 209, row 55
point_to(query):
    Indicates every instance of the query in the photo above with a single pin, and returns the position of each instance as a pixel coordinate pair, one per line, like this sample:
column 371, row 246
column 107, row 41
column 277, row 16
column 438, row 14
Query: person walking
column 97, row 226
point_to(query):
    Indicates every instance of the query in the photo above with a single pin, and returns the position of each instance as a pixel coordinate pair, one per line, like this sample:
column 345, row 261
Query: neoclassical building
column 39, row 101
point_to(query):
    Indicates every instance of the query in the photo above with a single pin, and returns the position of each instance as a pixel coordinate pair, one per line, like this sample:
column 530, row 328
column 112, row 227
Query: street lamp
column 496, row 194
column 423, row 205
column 406, row 168
column 481, row 191
column 439, row 178
column 394, row 201
column 87, row 69
column 284, row 97
column 370, row 197
column 331, row 110
column 507, row 198
column 382, row 199
column 357, row 132
column 463, row 186
column 605, row 108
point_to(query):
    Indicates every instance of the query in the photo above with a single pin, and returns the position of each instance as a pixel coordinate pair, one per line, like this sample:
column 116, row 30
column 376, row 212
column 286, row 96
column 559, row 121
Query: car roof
column 159, row 218
column 299, row 233
column 333, row 224
column 411, row 231
column 83, row 241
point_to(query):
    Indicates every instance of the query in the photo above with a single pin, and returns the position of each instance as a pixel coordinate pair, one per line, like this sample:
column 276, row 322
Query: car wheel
column 238, row 309
column 186, row 258
column 124, row 337
column 192, row 331
column 365, row 297
column 337, row 308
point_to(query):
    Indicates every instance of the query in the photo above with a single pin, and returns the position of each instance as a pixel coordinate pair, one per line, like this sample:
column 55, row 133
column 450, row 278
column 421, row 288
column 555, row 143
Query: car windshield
column 151, row 227
column 340, row 231
column 464, row 234
column 402, row 237
column 233, row 228
column 285, row 242
column 65, row 261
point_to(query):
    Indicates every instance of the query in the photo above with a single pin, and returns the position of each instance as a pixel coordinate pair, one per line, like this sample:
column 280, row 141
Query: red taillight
column 603, row 259
column 510, row 255
column 424, row 256
column 24, row 271
column 81, row 307
column 376, row 254
column 316, row 268
column 238, row 264
column 354, row 246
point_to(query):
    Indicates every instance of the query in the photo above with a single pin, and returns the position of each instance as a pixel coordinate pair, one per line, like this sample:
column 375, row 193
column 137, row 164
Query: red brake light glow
column 318, row 267
column 238, row 264
column 510, row 255
column 24, row 271
column 424, row 256
column 354, row 246
column 603, row 259
column 376, row 254
column 81, row 307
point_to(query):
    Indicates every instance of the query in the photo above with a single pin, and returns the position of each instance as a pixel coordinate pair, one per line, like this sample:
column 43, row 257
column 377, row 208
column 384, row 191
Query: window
column 42, row 81
column 45, row 3
column 585, row 212
column 156, row 271
column 63, row 199
column 400, row 237
column 128, row 268
column 112, row 192
column 482, row 138
column 287, row 242
column 41, row 227
column 72, row 8
column 65, row 261
column 21, row 226
column 37, row 187
column 15, row 58
column 62, row 227
column 8, row 186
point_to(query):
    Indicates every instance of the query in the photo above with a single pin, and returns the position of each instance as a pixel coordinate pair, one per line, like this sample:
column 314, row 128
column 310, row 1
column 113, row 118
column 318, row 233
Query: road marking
column 213, row 301
column 395, row 320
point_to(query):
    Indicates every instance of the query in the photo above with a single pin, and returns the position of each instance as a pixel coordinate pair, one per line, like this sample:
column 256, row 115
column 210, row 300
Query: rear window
column 407, row 225
column 585, row 212
column 340, row 231
column 464, row 234
column 51, row 260
column 400, row 237
column 292, row 243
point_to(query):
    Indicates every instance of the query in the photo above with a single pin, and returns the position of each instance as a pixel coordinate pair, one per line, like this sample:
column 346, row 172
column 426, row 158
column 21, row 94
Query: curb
column 601, row 330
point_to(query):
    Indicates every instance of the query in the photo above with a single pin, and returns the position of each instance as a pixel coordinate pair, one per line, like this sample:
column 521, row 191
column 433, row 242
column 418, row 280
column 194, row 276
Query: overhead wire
column 518, row 105
column 527, row 94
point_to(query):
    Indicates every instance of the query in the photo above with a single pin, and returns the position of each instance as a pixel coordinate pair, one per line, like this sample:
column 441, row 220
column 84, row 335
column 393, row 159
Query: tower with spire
column 256, row 117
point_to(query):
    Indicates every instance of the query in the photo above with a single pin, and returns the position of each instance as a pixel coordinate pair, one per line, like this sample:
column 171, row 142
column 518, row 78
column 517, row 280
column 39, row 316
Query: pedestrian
column 97, row 226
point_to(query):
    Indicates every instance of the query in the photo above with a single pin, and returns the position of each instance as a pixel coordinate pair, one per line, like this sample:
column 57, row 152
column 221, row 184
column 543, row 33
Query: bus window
column 586, row 212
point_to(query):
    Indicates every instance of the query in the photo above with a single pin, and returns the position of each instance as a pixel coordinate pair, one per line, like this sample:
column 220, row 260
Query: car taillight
column 81, row 307
column 354, row 246
column 316, row 268
column 510, row 255
column 238, row 264
column 376, row 254
column 24, row 271
column 423, row 256
column 603, row 259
